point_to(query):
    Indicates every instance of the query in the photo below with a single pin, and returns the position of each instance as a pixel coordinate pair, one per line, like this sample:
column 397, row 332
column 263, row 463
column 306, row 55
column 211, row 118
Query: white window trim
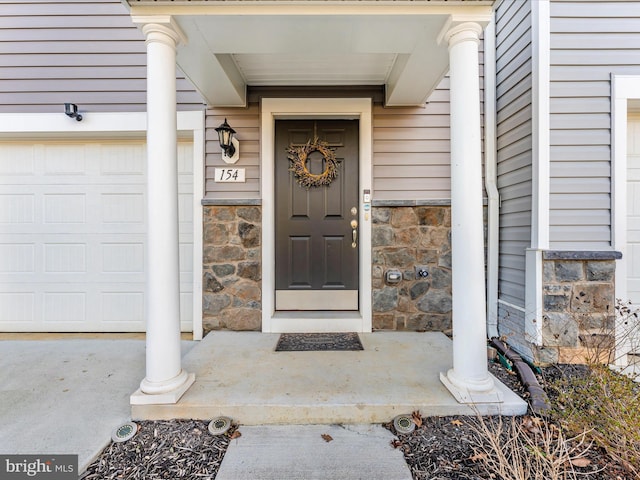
column 297, row 108
column 125, row 124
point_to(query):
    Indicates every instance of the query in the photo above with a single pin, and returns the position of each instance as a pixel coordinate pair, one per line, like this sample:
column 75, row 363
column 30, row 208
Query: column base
column 150, row 394
column 468, row 393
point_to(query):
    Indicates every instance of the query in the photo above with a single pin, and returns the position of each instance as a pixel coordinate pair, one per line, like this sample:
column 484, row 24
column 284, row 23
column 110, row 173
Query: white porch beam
column 215, row 76
column 469, row 380
column 165, row 380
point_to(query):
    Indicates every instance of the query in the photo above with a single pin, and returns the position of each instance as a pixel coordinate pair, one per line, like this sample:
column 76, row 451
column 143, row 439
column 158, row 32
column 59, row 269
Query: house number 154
column 229, row 174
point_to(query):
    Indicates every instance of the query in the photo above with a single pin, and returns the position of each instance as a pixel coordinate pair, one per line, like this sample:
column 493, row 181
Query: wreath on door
column 298, row 156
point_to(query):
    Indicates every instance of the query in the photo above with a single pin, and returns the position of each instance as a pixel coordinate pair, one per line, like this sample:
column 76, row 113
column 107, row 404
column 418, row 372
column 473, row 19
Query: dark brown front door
column 316, row 227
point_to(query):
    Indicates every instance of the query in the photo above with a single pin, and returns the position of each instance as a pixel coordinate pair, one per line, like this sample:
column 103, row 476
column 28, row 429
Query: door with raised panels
column 316, row 217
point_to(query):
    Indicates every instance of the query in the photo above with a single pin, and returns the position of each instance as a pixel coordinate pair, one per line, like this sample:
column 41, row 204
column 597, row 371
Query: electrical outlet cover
column 422, row 272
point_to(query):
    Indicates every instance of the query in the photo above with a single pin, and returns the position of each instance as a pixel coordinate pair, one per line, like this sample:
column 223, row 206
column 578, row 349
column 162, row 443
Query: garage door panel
column 54, row 181
column 123, row 160
column 16, row 258
column 18, row 160
column 65, row 258
column 17, row 208
column 65, row 208
column 65, row 307
column 122, row 307
column 73, row 235
column 17, row 306
column 122, row 258
column 122, row 208
column 59, row 210
column 186, row 310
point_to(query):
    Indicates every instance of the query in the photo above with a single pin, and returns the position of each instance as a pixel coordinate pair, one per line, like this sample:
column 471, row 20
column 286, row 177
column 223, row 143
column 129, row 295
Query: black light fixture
column 225, row 137
column 71, row 110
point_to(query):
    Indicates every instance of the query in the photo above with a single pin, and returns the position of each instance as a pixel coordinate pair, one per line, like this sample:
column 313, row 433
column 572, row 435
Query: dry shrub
column 600, row 401
column 606, row 405
column 527, row 448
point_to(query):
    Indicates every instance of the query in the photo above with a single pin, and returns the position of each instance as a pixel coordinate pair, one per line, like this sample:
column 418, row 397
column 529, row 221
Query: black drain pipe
column 538, row 398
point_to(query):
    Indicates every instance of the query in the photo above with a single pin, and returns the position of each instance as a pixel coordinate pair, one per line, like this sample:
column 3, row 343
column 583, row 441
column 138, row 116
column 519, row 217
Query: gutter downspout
column 490, row 177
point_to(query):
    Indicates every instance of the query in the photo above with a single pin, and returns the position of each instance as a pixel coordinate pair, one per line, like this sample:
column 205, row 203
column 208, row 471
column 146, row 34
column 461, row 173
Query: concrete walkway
column 288, row 452
column 66, row 396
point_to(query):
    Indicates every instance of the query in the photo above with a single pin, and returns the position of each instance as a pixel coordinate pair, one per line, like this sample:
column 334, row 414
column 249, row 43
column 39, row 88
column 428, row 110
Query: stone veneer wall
column 402, row 238
column 232, row 268
column 579, row 305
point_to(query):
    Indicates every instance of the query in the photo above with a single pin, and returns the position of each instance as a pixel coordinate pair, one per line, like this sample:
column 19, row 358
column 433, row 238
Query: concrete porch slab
column 239, row 374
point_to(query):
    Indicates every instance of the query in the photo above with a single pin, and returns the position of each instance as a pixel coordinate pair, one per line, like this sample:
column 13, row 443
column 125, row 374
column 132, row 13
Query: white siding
column 590, row 40
column 514, row 148
column 88, row 53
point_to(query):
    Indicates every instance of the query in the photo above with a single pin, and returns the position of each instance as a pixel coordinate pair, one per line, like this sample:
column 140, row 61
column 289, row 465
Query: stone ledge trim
column 581, row 255
column 445, row 202
column 411, row 203
column 232, row 202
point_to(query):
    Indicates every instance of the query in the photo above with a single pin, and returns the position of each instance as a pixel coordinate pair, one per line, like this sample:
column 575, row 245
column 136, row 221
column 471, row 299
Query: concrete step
column 240, row 375
column 359, row 452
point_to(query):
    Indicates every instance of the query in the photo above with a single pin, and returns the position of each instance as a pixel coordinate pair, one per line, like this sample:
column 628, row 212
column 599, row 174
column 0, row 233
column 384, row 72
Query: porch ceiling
column 234, row 44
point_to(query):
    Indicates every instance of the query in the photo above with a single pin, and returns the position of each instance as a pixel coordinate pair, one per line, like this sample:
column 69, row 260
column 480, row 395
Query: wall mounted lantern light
column 71, row 110
column 228, row 142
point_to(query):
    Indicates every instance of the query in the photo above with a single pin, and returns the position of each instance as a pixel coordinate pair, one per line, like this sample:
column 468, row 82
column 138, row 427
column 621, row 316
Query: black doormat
column 313, row 342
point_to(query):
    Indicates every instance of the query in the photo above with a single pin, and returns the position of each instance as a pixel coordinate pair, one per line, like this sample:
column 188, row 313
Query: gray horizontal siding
column 512, row 328
column 514, row 150
column 590, row 40
column 246, row 123
column 88, row 53
column 411, row 149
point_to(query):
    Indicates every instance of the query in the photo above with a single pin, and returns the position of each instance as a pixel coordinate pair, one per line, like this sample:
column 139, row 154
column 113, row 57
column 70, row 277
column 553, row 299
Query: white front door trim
column 330, row 108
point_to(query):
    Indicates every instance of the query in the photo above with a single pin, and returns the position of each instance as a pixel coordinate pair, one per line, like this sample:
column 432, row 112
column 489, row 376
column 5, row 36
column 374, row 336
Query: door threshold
column 317, row 321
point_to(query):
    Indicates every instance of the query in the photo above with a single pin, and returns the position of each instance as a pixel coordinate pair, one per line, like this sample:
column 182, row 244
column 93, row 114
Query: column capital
column 454, row 32
column 160, row 28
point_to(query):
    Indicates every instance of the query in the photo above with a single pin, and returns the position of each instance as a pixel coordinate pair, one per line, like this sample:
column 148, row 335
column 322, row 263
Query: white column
column 469, row 380
column 165, row 380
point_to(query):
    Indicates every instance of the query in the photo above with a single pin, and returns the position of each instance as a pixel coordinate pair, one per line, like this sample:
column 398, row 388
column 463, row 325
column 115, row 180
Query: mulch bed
column 163, row 450
column 440, row 449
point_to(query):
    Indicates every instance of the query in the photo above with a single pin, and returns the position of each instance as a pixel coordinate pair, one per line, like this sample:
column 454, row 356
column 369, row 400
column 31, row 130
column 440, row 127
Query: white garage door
column 633, row 210
column 633, row 221
column 72, row 236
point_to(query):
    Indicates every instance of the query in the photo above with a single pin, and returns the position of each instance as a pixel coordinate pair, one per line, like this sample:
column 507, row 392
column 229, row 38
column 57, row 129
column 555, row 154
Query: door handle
column 354, row 233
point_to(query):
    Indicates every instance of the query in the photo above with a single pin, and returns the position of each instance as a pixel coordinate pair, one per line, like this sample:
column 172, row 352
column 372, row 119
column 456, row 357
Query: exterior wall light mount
column 71, row 111
column 228, row 142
